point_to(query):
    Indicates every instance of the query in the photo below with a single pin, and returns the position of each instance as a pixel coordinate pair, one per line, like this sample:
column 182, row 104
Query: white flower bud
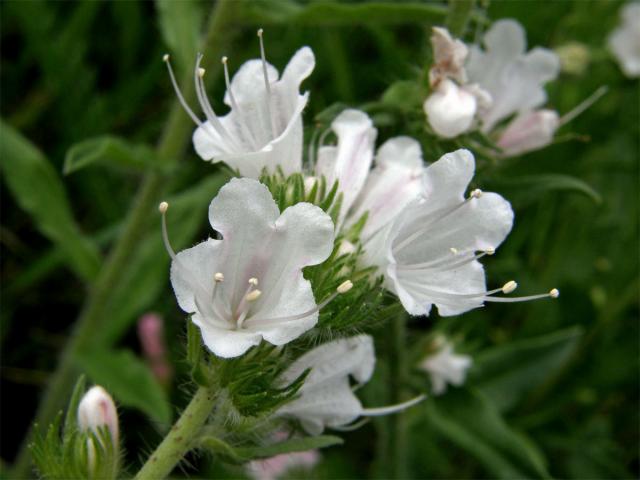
column 450, row 109
column 531, row 131
column 96, row 410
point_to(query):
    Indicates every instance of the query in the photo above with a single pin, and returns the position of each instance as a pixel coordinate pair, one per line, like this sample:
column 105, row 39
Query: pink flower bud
column 151, row 334
column 527, row 132
column 450, row 109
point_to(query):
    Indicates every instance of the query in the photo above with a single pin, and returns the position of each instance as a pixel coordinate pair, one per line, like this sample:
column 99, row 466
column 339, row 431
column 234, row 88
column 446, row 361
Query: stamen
column 270, row 322
column 218, row 277
column 584, row 105
column 234, row 105
column 477, row 193
column 509, row 287
column 253, row 295
column 443, row 263
column 454, row 250
column 554, row 293
column 181, row 99
column 375, row 412
column 253, row 281
column 266, row 83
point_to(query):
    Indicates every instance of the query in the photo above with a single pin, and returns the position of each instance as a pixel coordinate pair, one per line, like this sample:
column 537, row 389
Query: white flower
column 264, row 127
column 382, row 192
column 249, row 285
column 624, row 41
column 449, row 55
column 513, row 77
column 445, row 367
column 96, row 410
column 450, row 109
column 326, row 397
column 428, row 255
column 529, row 131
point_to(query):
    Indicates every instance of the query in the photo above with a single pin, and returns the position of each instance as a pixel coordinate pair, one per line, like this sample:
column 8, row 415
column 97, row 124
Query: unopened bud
column 97, row 410
column 450, row 109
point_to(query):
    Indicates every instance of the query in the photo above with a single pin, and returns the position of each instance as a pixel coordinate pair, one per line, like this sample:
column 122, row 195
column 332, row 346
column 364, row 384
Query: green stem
column 173, row 141
column 397, row 446
column 459, row 15
column 181, row 437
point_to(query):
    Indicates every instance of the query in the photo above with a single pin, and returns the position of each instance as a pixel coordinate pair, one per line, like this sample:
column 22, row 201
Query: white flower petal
column 530, row 131
column 226, row 343
column 446, row 367
column 506, row 39
column 624, row 41
column 450, row 109
column 446, row 180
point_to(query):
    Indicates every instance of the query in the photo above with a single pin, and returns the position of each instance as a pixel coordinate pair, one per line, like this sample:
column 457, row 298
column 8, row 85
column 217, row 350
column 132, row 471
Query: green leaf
column 38, row 190
column 180, row 25
column 470, row 421
column 334, row 13
column 535, row 185
column 147, row 274
column 239, row 455
column 110, row 151
column 70, row 421
column 128, row 379
column 505, row 374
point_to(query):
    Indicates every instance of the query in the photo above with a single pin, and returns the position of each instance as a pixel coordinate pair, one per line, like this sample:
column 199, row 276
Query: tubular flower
column 326, row 397
column 530, row 131
column 624, row 41
column 249, row 285
column 382, row 191
column 430, row 254
column 264, row 127
column 513, row 77
column 445, row 367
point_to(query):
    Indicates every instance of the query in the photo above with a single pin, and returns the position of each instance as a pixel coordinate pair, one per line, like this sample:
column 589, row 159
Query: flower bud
column 450, row 109
column 96, row 410
column 531, row 131
column 151, row 334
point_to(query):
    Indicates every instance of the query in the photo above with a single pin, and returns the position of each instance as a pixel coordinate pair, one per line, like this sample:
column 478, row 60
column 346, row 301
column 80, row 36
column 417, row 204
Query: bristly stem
column 181, row 437
column 170, row 147
column 459, row 15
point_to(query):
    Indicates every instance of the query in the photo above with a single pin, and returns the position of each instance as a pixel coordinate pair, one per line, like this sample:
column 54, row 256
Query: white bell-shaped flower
column 513, row 77
column 528, row 132
column 249, row 285
column 446, row 367
column 382, row 191
column 264, row 127
column 624, row 41
column 327, row 399
column 450, row 109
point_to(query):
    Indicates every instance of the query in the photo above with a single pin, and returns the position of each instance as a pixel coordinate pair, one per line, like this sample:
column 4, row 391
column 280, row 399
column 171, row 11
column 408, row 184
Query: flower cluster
column 417, row 227
column 475, row 88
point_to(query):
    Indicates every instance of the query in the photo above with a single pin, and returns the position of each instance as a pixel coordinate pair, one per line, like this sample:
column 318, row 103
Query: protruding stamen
column 554, row 293
column 584, row 105
column 253, row 281
column 266, row 83
column 489, row 251
column 163, row 207
column 509, row 287
column 374, row 412
column 218, row 277
column 181, row 99
column 201, row 71
column 253, row 295
column 344, row 287
column 477, row 193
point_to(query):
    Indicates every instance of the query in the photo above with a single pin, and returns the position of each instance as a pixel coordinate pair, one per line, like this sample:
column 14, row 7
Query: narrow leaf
column 38, row 190
column 110, row 151
column 180, row 23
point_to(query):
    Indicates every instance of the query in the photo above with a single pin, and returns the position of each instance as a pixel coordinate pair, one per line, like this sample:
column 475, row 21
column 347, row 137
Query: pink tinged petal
column 450, row 109
column 449, row 56
column 531, row 131
column 395, row 181
column 356, row 139
column 97, row 409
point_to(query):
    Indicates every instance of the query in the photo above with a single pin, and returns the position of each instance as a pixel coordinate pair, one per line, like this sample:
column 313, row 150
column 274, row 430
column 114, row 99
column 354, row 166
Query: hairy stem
column 170, row 147
column 181, row 437
column 459, row 15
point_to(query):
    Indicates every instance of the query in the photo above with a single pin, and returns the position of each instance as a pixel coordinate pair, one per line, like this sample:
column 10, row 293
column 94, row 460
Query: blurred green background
column 84, row 97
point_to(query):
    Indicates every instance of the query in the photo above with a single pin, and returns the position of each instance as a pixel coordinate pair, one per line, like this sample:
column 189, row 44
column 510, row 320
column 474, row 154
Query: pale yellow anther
column 219, row 277
column 253, row 295
column 454, row 250
column 163, row 207
column 345, row 286
column 260, row 32
column 554, row 293
column 490, row 251
column 201, row 72
column 477, row 193
column 165, row 57
column 253, row 281
column 224, row 60
column 509, row 287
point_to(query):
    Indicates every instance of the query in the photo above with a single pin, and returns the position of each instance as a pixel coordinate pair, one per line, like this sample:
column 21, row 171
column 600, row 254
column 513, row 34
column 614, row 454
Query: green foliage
column 128, row 379
column 109, row 151
column 180, row 25
column 38, row 190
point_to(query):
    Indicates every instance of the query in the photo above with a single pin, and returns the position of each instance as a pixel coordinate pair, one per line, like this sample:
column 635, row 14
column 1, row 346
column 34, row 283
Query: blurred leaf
column 508, row 372
column 128, row 379
column 38, row 190
column 404, row 94
column 110, row 151
column 471, row 422
column 536, row 185
column 334, row 13
column 180, row 23
column 241, row 455
column 147, row 274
